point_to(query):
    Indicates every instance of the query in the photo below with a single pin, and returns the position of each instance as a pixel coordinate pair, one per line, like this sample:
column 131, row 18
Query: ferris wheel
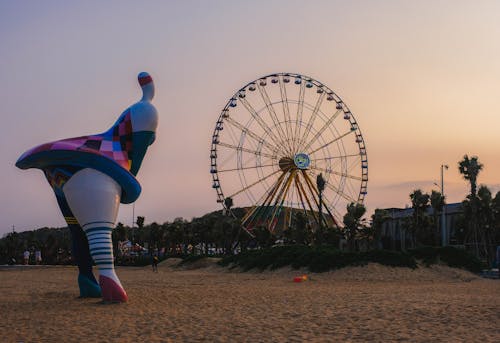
column 275, row 141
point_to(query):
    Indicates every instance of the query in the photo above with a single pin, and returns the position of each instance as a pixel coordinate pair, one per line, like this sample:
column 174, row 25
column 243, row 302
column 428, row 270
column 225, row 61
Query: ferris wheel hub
column 302, row 160
column 286, row 163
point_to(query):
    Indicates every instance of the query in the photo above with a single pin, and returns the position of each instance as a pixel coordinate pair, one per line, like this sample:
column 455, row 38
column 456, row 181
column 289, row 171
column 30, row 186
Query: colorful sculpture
column 90, row 176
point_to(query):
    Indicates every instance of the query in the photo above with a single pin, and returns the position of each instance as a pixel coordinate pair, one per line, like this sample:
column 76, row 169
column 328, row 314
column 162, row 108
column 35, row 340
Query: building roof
column 396, row 213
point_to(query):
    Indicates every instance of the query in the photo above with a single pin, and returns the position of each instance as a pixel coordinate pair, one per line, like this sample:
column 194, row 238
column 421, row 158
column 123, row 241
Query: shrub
column 316, row 259
column 191, row 259
column 453, row 257
column 461, row 259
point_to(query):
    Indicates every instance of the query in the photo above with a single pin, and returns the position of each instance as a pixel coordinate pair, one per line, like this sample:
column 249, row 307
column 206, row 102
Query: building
column 395, row 236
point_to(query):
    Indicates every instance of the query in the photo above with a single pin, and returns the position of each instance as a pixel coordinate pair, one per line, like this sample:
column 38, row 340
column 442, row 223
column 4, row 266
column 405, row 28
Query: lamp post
column 133, row 220
column 444, row 232
column 320, row 183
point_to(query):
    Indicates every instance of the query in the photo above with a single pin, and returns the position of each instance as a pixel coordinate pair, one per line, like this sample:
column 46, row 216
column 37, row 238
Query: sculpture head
column 144, row 121
column 147, row 85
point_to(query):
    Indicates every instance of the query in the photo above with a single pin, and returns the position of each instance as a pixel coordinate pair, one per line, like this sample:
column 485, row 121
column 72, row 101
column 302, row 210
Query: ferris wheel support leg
column 311, row 184
column 282, row 196
column 247, row 220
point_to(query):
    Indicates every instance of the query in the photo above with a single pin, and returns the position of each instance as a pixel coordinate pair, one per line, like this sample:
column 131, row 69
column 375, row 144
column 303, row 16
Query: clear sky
column 421, row 77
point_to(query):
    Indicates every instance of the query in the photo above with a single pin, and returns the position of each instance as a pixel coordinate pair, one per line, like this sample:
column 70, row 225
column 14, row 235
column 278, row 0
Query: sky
column 421, row 77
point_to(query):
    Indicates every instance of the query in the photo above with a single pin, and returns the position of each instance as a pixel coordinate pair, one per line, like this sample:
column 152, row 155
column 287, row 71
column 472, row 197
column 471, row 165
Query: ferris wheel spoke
column 255, row 183
column 286, row 111
column 328, row 171
column 274, row 117
column 327, row 164
column 332, row 141
column 298, row 122
column 330, row 164
column 250, row 151
column 227, row 159
column 245, row 168
column 320, row 131
column 340, row 193
column 351, row 189
column 232, row 136
column 250, row 133
column 354, row 164
column 334, row 157
column 312, row 118
column 261, row 123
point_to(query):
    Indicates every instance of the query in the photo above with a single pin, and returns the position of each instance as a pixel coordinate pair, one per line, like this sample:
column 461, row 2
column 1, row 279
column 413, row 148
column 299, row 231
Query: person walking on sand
column 38, row 256
column 26, row 256
column 154, row 263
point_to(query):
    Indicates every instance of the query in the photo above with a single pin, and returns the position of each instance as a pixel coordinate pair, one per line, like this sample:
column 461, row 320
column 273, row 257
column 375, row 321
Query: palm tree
column 300, row 230
column 437, row 204
column 470, row 168
column 353, row 223
column 419, row 224
column 486, row 221
column 495, row 206
column 379, row 217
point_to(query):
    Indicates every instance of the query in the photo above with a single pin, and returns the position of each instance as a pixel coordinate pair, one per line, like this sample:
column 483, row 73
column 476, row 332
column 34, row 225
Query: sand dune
column 211, row 304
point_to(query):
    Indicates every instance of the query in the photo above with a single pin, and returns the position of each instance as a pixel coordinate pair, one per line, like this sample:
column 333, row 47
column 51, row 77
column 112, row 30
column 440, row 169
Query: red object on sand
column 298, row 279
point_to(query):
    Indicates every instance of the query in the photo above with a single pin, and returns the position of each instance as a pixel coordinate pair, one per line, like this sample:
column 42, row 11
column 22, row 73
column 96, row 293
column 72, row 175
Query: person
column 38, row 257
column 155, row 263
column 26, row 256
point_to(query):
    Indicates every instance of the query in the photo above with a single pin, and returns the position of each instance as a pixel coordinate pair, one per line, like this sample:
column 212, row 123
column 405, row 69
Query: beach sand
column 211, row 304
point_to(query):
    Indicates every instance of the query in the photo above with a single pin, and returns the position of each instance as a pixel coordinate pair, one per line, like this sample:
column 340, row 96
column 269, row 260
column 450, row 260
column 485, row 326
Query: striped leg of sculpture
column 89, row 288
column 94, row 198
column 88, row 285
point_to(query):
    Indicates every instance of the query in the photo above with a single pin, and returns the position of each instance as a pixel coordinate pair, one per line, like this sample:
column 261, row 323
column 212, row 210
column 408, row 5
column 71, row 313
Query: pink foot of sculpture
column 111, row 291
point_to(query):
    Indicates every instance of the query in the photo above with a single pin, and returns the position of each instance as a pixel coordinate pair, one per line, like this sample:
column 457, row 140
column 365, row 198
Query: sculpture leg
column 89, row 288
column 94, row 198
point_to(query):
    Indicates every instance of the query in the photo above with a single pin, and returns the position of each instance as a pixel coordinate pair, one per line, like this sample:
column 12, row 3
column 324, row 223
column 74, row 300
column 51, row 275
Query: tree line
column 477, row 228
column 217, row 233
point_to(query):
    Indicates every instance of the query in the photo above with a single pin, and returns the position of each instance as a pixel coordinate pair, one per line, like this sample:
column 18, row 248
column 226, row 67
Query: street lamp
column 444, row 232
column 133, row 220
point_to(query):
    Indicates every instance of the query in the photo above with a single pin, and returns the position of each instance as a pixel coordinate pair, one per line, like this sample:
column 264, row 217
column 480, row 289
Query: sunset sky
column 421, row 77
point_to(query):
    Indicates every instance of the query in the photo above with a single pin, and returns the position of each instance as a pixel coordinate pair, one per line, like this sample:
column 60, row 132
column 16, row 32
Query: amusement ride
column 286, row 143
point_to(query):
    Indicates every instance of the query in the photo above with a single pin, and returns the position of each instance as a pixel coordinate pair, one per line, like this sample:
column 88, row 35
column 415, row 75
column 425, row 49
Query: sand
column 211, row 304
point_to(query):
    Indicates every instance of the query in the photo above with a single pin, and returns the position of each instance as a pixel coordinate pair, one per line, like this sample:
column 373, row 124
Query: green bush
column 460, row 259
column 324, row 258
column 316, row 259
column 428, row 255
column 191, row 258
column 391, row 258
column 453, row 257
